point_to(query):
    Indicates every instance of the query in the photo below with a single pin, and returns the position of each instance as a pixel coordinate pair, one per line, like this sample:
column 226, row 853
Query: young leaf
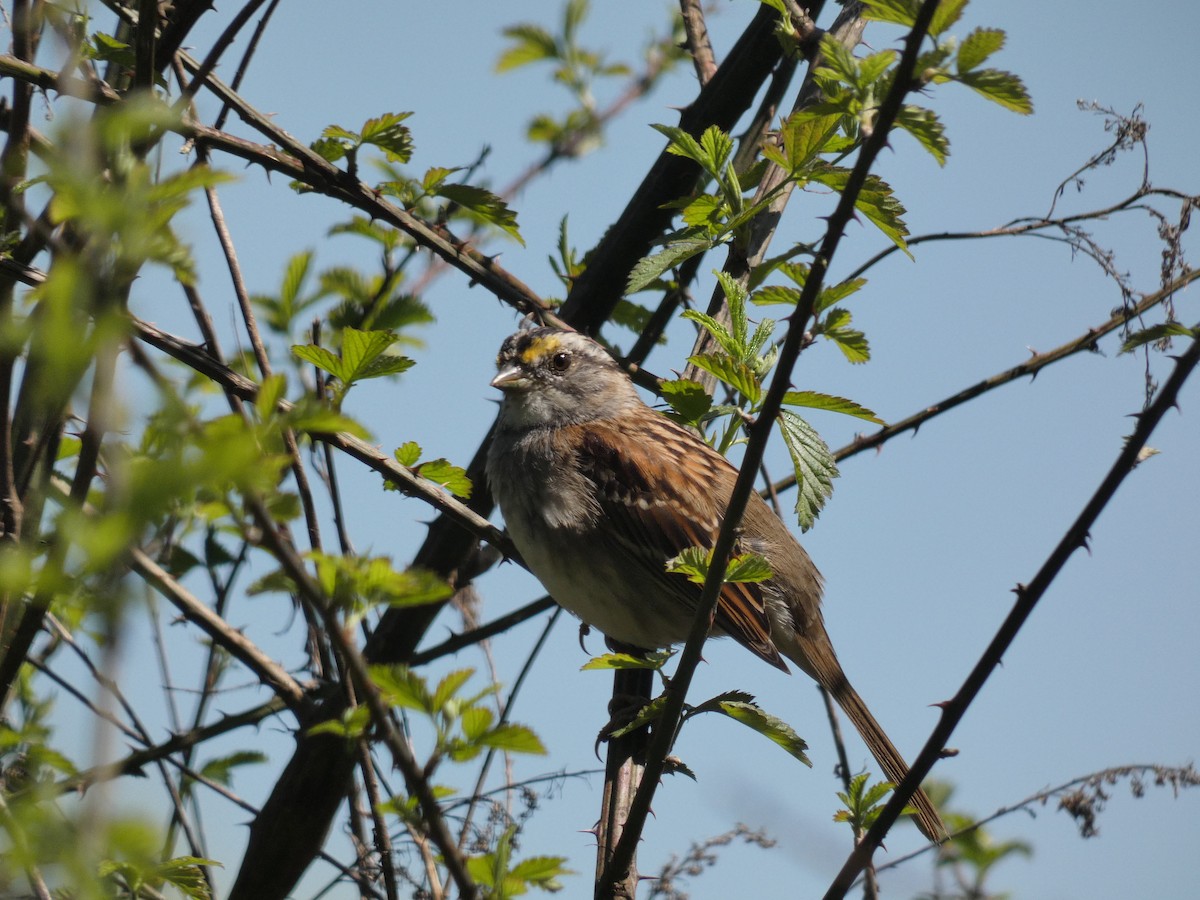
column 814, row 400
column 977, row 46
column 947, row 13
column 486, row 205
column 687, row 398
column 654, row 660
column 453, row 478
column 393, row 138
column 408, row 453
column 738, row 376
column 814, row 466
column 852, row 343
column 924, row 125
column 513, row 738
column 899, row 12
column 1000, row 87
column 772, row 727
column 1156, row 333
column 650, row 267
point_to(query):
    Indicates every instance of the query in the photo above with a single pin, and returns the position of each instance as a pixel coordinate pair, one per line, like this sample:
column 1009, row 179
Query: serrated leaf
column 715, row 327
column 875, row 200
column 683, row 144
column 485, row 205
column 650, row 712
column 653, row 660
column 925, row 126
column 804, row 135
column 541, row 870
column 388, row 134
column 977, row 46
column 814, row 400
column 221, row 768
column 738, row 376
column 450, row 685
column 321, row 357
column 453, row 478
column 1156, row 333
column 648, row 268
column 687, row 398
column 813, row 464
column 947, row 13
column 532, row 43
column 852, row 343
column 771, row 727
column 706, row 210
column 834, row 293
column 513, row 738
column 1000, row 87
column 402, row 687
column 476, row 721
column 185, row 874
column 774, row 294
column 408, row 453
column 747, row 568
column 900, row 12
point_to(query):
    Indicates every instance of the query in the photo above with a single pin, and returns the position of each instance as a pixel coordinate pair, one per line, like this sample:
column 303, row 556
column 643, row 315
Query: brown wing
column 662, row 502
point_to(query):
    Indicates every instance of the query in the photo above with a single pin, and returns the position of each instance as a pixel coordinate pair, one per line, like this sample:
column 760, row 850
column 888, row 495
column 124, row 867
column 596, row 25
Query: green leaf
column 1154, row 334
column 687, row 398
column 531, row 43
column 486, row 205
column 834, row 293
column 650, row 267
column 715, row 327
column 393, row 138
column 513, row 738
column 814, row 466
column 924, row 125
column 542, row 871
column 900, row 12
column 448, row 687
column 852, row 343
column 875, row 200
column 977, row 46
column 771, row 727
column 185, row 874
column 776, row 294
column 814, row 400
column 408, row 453
column 453, row 478
column 654, row 660
column 804, row 135
column 475, row 722
column 747, row 568
column 738, row 376
column 683, row 144
column 947, row 13
column 1000, row 87
column 352, row 724
column 320, row 357
column 402, row 687
column 221, row 769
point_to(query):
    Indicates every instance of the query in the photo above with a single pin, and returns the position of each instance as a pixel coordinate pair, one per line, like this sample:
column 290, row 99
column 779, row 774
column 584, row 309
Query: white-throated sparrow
column 599, row 491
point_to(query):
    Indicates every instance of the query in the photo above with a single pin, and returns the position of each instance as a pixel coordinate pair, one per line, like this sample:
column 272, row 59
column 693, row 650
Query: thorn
column 941, row 704
column 947, row 752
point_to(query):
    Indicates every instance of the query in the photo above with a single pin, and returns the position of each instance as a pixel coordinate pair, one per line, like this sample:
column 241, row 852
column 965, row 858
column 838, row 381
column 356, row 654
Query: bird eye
column 560, row 361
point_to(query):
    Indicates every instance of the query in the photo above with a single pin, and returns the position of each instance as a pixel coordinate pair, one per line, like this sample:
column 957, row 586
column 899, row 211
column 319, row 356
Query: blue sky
column 922, row 542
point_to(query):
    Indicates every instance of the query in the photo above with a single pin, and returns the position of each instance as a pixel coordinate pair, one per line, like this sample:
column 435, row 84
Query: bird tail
column 826, row 670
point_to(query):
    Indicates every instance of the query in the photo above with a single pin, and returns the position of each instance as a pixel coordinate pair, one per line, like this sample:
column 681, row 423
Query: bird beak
column 509, row 378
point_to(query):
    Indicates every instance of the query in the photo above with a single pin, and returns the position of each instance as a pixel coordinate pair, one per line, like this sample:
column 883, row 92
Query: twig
column 1027, row 598
column 698, row 44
